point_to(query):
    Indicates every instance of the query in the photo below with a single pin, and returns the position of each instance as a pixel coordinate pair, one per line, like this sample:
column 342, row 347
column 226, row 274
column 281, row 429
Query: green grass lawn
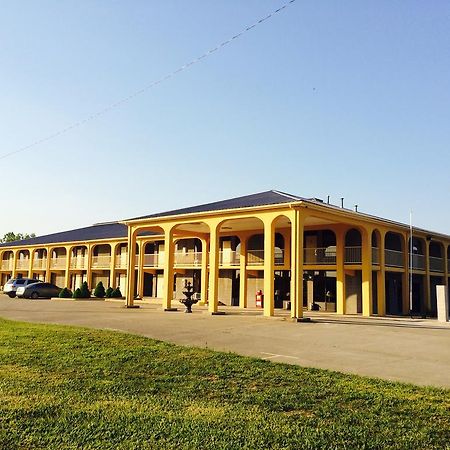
column 64, row 387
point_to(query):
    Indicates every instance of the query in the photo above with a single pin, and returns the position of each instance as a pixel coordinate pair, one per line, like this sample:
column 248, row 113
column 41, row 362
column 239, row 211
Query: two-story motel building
column 294, row 249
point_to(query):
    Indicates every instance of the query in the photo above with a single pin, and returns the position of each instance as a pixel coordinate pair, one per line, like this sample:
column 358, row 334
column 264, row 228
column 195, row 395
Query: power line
column 120, row 102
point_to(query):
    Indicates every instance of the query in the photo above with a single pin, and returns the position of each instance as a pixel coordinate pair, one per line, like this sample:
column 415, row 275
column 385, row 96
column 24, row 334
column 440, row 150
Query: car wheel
column 34, row 295
column 11, row 295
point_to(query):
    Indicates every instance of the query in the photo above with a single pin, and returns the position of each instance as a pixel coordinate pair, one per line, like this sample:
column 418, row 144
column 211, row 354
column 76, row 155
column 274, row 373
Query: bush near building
column 116, row 293
column 99, row 290
column 65, row 293
column 85, row 291
column 109, row 291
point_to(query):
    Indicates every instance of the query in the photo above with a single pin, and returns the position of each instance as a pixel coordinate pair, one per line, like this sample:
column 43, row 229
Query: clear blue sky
column 346, row 99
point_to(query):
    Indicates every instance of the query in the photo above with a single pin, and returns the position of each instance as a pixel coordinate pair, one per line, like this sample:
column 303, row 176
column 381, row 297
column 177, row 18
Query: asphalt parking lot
column 401, row 349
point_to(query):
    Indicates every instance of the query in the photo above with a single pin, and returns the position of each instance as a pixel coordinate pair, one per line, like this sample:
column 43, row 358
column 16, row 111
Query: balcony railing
column 39, row 263
column 187, row 258
column 353, row 255
column 7, row 264
column 101, row 261
column 255, row 257
column 121, row 261
column 153, row 260
column 436, row 264
column 79, row 262
column 23, row 264
column 375, row 255
column 229, row 258
column 58, row 263
column 418, row 261
column 319, row 255
column 393, row 258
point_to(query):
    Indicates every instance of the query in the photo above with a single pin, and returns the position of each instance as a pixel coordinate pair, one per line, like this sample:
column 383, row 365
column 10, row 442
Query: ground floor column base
column 170, row 309
column 301, row 319
column 218, row 313
column 131, row 306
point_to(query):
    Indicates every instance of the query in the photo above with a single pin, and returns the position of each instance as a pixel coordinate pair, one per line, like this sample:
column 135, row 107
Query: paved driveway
column 416, row 351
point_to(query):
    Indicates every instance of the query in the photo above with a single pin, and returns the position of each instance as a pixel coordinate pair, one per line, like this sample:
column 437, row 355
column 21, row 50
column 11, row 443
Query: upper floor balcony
column 78, row 262
column 58, row 263
column 7, row 264
column 39, row 263
column 23, row 264
column 436, row 264
column 101, row 262
column 418, row 262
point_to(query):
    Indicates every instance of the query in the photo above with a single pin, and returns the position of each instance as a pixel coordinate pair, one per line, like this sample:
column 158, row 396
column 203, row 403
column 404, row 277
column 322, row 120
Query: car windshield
column 20, row 281
column 10, row 282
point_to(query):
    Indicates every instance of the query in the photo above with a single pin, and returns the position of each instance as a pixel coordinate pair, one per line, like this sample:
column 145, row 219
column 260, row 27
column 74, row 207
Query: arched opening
column 319, row 281
column 241, row 272
column 101, row 265
column 436, row 257
column 7, row 264
column 39, row 263
column 394, row 259
column 437, row 251
column 353, row 246
column 23, row 262
column 58, row 266
column 79, row 256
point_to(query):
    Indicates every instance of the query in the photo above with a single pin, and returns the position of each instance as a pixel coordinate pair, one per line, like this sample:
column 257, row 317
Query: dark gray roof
column 259, row 199
column 94, row 232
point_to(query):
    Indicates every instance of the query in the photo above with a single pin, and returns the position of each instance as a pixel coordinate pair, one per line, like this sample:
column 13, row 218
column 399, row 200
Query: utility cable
column 145, row 88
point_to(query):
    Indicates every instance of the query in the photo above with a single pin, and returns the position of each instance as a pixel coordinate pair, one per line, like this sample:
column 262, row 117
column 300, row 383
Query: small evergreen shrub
column 65, row 293
column 77, row 293
column 109, row 291
column 85, row 292
column 99, row 290
column 116, row 293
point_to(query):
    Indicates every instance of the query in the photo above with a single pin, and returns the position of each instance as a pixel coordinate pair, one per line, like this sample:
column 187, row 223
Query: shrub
column 85, row 292
column 99, row 290
column 65, row 293
column 77, row 293
column 109, row 291
column 116, row 293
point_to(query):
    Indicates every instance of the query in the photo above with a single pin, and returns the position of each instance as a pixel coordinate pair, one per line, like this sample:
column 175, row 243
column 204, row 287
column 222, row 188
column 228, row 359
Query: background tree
column 11, row 236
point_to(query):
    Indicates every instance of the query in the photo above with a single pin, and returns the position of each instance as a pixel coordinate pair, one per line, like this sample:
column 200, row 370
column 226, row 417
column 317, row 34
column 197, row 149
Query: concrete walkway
column 416, row 351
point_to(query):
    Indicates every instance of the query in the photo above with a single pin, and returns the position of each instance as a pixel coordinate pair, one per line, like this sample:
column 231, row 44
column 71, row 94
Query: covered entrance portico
column 250, row 250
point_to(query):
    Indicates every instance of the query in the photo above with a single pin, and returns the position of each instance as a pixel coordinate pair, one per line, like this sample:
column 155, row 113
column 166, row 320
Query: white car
column 11, row 285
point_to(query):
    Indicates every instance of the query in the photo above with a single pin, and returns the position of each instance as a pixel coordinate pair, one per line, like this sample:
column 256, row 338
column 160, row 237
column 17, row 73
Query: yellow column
column 340, row 271
column 367, row 272
column 426, row 307
column 30, row 267
column 112, row 267
column 213, row 299
column 48, row 264
column 89, row 267
column 131, row 279
column 243, row 272
column 381, row 277
column 169, row 248
column 269, row 267
column 296, row 295
column 14, row 267
column 141, row 270
column 67, row 272
column 446, row 266
column 204, row 273
column 405, row 276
